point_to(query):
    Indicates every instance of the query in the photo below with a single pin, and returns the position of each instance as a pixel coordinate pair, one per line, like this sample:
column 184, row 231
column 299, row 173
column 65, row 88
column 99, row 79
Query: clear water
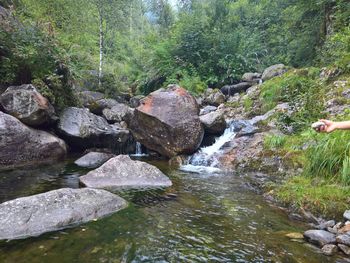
column 202, row 218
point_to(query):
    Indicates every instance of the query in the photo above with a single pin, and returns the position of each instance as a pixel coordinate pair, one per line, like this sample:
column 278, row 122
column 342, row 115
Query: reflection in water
column 199, row 219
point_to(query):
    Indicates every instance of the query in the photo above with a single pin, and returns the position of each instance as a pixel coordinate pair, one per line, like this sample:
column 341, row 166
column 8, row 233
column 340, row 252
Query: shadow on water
column 199, row 219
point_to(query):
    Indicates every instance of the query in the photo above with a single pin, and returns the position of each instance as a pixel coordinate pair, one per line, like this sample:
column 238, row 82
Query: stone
column 207, row 109
column 273, row 71
column 135, row 101
column 117, row 113
column 121, row 172
column 295, row 235
column 83, row 129
column 167, row 122
column 21, row 145
column 88, row 98
column 344, row 229
column 346, row 215
column 319, row 237
column 102, row 104
column 251, row 77
column 329, row 250
column 333, row 230
column 93, row 159
column 343, row 239
column 231, row 90
column 325, row 225
column 215, row 98
column 214, row 122
column 345, row 249
column 28, row 105
column 55, row 210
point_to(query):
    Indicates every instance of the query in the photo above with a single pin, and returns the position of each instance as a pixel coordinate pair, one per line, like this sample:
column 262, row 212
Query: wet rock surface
column 167, row 122
column 21, row 145
column 93, row 159
column 122, row 172
column 55, row 210
column 320, row 237
column 214, row 122
column 28, row 105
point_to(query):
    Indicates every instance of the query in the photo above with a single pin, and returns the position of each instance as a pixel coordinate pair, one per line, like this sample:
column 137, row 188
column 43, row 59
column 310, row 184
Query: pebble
column 329, row 250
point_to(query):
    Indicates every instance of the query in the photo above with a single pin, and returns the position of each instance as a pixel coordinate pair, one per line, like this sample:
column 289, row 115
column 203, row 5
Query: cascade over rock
column 167, row 122
column 28, row 105
column 21, row 145
column 83, row 129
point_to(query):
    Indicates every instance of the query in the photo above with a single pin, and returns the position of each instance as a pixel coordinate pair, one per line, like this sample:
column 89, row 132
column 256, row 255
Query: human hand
column 329, row 126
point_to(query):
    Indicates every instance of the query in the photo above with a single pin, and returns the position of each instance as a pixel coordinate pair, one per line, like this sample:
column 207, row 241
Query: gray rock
column 93, row 159
column 135, row 101
column 333, row 230
column 215, row 98
column 214, row 122
column 343, row 239
column 207, row 109
column 319, row 237
column 122, row 172
column 55, row 210
column 251, row 77
column 100, row 105
column 346, row 215
column 231, row 90
column 325, row 225
column 244, row 128
column 329, row 250
column 88, row 98
column 21, row 145
column 83, row 129
column 167, row 122
column 345, row 249
column 273, row 71
column 117, row 113
column 28, row 105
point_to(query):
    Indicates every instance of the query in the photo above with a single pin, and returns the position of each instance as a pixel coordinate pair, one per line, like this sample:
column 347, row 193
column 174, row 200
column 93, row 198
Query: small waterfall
column 138, row 151
column 206, row 159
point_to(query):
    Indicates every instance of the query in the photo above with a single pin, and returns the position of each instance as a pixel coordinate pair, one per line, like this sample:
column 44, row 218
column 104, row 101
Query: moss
column 316, row 195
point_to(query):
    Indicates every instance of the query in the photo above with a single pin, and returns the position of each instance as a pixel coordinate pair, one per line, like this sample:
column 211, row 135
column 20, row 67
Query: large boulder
column 83, row 129
column 21, row 145
column 231, row 90
column 117, row 113
column 122, row 172
column 214, row 122
column 93, row 159
column 273, row 71
column 55, row 210
column 167, row 122
column 28, row 105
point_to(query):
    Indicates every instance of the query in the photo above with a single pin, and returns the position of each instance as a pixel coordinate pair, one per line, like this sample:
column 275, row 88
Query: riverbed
column 201, row 218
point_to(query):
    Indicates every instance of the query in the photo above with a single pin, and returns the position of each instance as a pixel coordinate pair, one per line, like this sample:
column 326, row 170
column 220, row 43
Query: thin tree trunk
column 100, row 72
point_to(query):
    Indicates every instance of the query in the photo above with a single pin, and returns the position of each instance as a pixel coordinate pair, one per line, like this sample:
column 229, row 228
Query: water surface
column 202, row 218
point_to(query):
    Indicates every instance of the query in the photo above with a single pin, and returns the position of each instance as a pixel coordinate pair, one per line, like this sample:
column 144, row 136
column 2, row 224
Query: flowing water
column 202, row 218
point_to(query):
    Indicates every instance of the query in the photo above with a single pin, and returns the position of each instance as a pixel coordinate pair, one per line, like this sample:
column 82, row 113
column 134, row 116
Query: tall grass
column 330, row 158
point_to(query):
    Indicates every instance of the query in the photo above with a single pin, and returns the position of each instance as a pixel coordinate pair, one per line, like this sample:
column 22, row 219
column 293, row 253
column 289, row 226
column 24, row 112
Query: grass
column 319, row 196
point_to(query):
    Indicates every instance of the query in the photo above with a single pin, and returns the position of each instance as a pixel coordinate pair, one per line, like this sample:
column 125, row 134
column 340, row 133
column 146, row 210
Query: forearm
column 342, row 125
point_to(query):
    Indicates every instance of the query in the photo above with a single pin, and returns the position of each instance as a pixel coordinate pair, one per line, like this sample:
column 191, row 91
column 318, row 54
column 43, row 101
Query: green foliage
column 275, row 141
column 303, row 94
column 248, row 103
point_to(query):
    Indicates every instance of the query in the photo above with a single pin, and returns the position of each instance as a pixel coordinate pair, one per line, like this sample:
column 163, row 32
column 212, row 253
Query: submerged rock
column 93, row 159
column 122, row 172
column 167, row 122
column 28, row 105
column 55, row 210
column 214, row 122
column 21, row 145
column 319, row 237
column 273, row 71
column 84, row 130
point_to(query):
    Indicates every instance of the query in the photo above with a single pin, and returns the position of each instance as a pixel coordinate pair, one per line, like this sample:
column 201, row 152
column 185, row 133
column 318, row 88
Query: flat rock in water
column 319, row 237
column 93, row 159
column 122, row 172
column 55, row 210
